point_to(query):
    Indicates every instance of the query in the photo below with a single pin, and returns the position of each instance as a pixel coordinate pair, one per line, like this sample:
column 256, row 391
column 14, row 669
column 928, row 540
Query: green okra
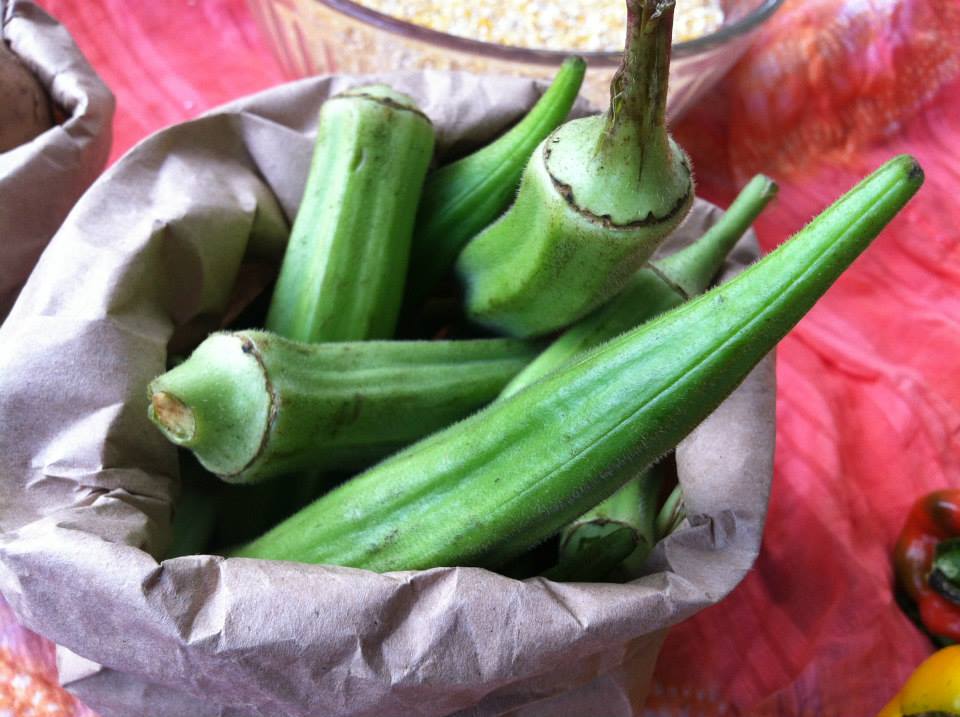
column 656, row 288
column 485, row 489
column 343, row 271
column 620, row 531
column 252, row 405
column 617, row 531
column 596, row 199
column 194, row 513
column 671, row 514
column 463, row 197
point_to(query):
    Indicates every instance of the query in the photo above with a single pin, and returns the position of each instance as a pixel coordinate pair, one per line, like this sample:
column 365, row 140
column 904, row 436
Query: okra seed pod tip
column 693, row 268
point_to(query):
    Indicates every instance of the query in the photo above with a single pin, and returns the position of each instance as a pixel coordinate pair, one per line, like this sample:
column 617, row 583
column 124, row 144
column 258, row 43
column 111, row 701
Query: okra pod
column 195, row 512
column 671, row 514
column 656, row 288
column 463, row 197
column 489, row 487
column 251, row 405
column 618, row 530
column 343, row 271
column 597, row 198
column 247, row 510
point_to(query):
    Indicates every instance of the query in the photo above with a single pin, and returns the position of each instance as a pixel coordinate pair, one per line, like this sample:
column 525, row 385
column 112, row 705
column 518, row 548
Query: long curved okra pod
column 487, row 488
column 463, row 197
column 252, row 405
column 343, row 272
column 597, row 198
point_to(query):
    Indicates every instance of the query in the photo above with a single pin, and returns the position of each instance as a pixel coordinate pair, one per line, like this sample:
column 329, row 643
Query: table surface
column 868, row 394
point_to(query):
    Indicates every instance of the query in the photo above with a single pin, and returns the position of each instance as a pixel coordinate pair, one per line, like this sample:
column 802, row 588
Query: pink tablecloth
column 869, row 397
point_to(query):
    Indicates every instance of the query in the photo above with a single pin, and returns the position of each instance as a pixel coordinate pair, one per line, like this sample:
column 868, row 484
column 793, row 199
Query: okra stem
column 671, row 514
column 638, row 90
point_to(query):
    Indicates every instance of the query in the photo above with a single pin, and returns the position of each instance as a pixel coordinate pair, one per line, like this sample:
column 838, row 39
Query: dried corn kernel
column 584, row 25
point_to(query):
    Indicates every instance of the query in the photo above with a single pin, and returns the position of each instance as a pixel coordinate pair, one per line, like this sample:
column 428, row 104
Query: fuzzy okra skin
column 657, row 287
column 343, row 272
column 252, row 405
column 596, row 200
column 618, row 531
column 463, row 197
column 498, row 482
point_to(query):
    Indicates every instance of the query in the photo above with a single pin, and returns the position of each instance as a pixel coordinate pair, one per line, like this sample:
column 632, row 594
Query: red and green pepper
column 927, row 561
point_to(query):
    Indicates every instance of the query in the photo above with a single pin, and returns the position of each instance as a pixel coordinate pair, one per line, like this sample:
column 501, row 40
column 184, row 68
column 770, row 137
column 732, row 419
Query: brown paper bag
column 41, row 180
column 149, row 256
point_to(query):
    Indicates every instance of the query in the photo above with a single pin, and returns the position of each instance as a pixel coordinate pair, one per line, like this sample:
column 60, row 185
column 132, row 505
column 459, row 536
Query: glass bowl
column 311, row 37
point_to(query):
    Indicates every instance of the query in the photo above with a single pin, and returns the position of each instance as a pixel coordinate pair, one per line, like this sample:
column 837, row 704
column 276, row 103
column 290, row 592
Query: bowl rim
column 688, row 48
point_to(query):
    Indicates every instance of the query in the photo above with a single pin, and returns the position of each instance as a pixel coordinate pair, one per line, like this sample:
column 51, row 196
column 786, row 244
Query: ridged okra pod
column 596, row 200
column 656, row 288
column 343, row 272
column 251, row 404
column 487, row 488
column 463, row 197
column 620, row 531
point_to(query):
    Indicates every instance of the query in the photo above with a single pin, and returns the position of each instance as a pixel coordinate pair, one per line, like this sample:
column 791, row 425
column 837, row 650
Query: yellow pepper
column 933, row 688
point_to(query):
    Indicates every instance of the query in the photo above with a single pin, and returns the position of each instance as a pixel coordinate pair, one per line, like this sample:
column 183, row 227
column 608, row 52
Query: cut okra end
column 173, row 417
column 217, row 403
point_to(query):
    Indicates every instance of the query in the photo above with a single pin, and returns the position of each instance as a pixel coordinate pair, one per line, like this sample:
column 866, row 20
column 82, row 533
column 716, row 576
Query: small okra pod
column 195, row 512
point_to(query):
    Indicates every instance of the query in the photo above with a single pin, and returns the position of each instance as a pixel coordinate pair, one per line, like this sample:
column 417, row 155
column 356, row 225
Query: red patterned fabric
column 868, row 383
column 28, row 675
column 869, row 392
